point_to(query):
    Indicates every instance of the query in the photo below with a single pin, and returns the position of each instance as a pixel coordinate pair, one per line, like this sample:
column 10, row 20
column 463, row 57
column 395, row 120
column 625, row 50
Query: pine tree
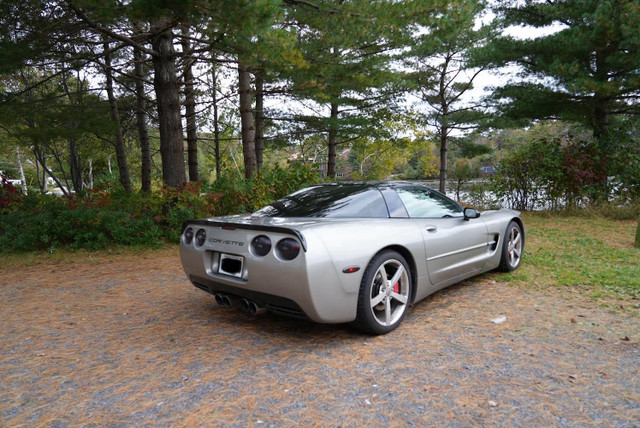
column 348, row 49
column 442, row 74
column 587, row 71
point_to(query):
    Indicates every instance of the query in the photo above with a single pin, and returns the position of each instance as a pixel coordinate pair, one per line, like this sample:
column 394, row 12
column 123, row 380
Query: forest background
column 120, row 119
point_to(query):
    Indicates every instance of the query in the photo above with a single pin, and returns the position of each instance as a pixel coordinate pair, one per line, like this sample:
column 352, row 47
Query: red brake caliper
column 396, row 288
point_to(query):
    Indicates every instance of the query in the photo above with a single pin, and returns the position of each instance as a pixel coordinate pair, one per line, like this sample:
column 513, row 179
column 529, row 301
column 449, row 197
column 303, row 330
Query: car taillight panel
column 261, row 245
column 288, row 249
column 188, row 235
column 201, row 238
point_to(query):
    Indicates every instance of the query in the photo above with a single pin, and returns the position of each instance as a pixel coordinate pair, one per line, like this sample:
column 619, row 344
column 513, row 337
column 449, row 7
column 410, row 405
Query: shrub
column 100, row 218
column 528, row 177
column 105, row 217
column 237, row 195
column 10, row 196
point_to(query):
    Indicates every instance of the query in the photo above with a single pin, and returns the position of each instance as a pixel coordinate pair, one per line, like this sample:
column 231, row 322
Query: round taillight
column 201, row 237
column 261, row 245
column 288, row 249
column 188, row 235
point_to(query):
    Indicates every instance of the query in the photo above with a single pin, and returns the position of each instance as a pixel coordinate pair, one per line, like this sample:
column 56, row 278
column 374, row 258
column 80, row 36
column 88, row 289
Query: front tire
column 512, row 248
column 385, row 293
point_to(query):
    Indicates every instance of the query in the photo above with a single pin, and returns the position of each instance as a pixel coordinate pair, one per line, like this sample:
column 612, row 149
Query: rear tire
column 512, row 248
column 385, row 293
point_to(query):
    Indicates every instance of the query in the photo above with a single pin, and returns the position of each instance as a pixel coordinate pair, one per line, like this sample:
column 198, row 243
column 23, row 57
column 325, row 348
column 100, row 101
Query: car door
column 455, row 247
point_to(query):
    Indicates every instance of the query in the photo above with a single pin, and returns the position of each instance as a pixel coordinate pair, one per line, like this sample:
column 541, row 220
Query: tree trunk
column 443, row 159
column 59, row 158
column 246, row 118
column 259, row 115
column 333, row 142
column 75, row 167
column 141, row 119
column 600, row 118
column 637, row 244
column 90, row 173
column 444, row 128
column 21, row 176
column 216, row 125
column 190, row 107
column 121, row 153
column 165, row 83
column 41, row 158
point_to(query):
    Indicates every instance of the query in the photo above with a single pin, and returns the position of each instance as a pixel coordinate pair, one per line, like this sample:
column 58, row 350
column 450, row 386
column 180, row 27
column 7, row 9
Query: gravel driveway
column 127, row 341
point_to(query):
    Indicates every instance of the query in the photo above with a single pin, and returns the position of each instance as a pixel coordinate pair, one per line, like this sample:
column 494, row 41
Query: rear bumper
column 307, row 287
column 276, row 304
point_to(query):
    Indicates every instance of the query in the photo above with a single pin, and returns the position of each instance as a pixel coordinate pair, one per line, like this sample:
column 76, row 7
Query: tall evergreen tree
column 121, row 156
column 442, row 74
column 348, row 48
column 141, row 116
column 247, row 121
column 587, row 71
column 247, row 34
column 190, row 103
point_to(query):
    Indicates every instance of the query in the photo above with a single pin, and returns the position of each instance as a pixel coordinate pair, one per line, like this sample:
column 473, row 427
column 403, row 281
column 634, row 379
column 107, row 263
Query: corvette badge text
column 225, row 242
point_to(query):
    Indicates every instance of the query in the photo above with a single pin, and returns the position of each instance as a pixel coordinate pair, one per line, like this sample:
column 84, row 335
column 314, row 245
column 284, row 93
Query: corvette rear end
column 261, row 266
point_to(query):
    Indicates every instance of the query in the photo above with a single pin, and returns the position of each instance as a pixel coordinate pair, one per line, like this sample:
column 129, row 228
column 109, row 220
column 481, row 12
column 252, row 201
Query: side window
column 426, row 203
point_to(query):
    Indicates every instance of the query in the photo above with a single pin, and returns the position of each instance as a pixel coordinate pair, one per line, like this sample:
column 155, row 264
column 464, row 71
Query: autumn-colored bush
column 10, row 196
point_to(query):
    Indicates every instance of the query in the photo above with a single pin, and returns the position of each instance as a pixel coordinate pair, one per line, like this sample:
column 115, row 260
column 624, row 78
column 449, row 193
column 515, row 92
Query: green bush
column 54, row 225
column 559, row 169
column 529, row 177
column 105, row 217
column 237, row 195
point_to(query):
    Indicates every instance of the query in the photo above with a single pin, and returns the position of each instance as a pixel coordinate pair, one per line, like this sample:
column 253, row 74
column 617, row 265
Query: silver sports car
column 348, row 252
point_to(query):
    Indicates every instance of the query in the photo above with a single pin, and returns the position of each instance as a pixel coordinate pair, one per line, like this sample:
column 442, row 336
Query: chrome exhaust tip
column 254, row 309
column 226, row 301
column 219, row 299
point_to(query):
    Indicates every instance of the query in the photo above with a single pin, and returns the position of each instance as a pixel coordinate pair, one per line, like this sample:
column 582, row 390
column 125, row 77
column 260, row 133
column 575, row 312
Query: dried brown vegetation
column 126, row 340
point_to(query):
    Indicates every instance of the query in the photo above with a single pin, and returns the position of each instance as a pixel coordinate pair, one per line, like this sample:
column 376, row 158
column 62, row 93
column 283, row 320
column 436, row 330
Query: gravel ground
column 127, row 341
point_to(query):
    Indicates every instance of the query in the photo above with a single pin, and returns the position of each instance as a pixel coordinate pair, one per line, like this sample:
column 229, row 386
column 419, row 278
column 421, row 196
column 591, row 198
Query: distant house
column 488, row 169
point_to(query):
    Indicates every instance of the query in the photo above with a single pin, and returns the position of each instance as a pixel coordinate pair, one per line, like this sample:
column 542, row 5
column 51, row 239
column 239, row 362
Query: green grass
column 592, row 254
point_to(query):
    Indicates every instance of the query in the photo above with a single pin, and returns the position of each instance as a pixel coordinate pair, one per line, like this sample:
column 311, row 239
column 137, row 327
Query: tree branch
column 129, row 41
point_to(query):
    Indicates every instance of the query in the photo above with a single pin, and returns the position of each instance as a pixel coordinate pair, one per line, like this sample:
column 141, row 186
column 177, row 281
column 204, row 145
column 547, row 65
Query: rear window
column 329, row 201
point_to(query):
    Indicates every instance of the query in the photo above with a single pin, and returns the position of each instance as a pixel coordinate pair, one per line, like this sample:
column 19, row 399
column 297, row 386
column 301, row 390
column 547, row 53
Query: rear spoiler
column 245, row 226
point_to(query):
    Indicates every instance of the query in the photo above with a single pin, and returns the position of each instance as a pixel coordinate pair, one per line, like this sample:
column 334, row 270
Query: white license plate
column 231, row 265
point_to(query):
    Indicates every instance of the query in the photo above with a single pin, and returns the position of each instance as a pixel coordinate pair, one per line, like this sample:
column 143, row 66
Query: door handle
column 431, row 228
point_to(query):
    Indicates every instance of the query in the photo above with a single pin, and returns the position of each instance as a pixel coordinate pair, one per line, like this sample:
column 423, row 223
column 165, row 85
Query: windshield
column 344, row 201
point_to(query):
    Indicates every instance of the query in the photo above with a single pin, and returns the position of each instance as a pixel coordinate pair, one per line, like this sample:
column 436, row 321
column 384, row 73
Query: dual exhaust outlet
column 245, row 304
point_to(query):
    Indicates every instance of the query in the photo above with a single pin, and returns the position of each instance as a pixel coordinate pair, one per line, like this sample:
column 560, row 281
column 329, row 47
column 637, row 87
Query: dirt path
column 128, row 341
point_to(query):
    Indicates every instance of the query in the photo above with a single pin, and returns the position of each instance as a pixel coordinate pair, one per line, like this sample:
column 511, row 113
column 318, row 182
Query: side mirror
column 470, row 213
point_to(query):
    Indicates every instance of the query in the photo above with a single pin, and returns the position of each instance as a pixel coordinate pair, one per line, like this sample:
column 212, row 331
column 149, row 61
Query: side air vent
column 494, row 244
